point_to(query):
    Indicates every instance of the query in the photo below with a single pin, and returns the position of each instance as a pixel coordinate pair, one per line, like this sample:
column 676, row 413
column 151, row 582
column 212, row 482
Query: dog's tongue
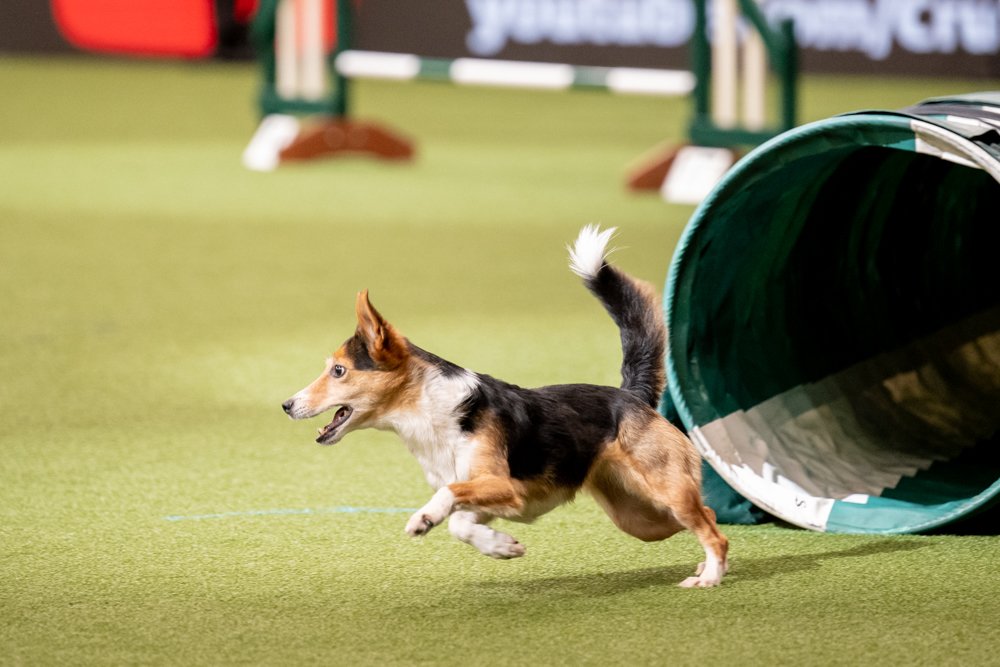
column 338, row 419
column 341, row 416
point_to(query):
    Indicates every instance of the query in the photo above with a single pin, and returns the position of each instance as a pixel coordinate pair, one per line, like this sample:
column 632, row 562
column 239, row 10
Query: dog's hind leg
column 655, row 513
column 701, row 521
column 469, row 528
column 652, row 491
column 631, row 512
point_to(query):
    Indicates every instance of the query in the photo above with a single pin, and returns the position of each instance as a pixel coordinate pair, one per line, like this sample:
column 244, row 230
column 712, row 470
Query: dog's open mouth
column 328, row 434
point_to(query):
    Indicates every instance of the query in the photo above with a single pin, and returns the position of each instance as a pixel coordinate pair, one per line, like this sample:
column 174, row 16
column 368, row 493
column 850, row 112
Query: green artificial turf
column 159, row 302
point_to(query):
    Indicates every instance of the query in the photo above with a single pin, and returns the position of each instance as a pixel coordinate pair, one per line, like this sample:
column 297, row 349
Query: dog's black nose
column 287, row 406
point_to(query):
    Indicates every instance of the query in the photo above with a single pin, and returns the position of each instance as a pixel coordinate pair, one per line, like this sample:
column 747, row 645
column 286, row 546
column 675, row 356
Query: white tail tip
column 587, row 255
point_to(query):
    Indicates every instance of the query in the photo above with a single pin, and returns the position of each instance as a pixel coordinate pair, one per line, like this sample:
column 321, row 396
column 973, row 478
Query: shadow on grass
column 593, row 585
column 758, row 569
column 751, row 569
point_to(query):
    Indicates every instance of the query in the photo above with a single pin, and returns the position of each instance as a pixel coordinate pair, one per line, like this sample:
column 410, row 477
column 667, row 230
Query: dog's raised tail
column 635, row 308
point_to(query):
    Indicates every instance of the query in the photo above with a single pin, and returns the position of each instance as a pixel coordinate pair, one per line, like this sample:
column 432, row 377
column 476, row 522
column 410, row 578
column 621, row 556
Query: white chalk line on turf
column 286, row 512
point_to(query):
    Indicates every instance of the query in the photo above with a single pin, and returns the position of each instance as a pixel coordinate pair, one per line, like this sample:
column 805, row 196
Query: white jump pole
column 754, row 81
column 285, row 50
column 313, row 66
column 725, row 64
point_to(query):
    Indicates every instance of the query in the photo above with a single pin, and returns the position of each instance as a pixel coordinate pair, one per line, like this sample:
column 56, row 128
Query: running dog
column 492, row 449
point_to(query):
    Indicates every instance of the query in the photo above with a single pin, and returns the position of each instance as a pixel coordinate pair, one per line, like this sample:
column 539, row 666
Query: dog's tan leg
column 633, row 513
column 471, row 529
column 651, row 488
column 659, row 513
column 701, row 521
column 490, row 494
column 493, row 494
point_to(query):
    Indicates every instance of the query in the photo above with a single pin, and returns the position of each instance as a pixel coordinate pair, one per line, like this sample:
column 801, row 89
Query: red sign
column 185, row 28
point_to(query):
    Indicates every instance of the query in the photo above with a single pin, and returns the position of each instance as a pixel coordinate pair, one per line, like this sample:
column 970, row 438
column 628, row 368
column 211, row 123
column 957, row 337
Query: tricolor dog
column 492, row 449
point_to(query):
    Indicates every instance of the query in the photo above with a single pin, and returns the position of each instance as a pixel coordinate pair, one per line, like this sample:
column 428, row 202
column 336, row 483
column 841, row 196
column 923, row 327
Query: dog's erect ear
column 385, row 345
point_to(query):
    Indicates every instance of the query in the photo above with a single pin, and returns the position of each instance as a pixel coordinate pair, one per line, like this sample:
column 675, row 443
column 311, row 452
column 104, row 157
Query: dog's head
column 362, row 379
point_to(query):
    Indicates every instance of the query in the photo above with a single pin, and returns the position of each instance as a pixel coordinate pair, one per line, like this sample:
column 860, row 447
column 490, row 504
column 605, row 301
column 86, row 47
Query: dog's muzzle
column 330, row 433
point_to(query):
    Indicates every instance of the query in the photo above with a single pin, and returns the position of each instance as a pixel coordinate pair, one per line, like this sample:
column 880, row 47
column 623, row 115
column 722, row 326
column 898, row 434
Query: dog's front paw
column 420, row 524
column 503, row 546
column 431, row 514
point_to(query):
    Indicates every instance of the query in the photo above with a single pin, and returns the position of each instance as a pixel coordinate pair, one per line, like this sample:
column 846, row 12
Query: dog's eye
column 338, row 371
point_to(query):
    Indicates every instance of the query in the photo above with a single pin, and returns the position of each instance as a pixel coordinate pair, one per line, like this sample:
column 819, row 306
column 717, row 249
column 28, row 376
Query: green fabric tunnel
column 834, row 315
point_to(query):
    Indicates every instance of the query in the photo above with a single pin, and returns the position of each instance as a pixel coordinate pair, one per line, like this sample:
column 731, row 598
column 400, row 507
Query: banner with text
column 931, row 37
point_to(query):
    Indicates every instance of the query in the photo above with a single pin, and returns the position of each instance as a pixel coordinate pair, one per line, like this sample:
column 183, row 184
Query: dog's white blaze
column 587, row 255
column 432, row 432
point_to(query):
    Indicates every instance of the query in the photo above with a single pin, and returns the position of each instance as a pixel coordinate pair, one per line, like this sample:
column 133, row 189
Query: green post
column 701, row 59
column 341, row 84
column 783, row 55
column 789, row 76
column 262, row 33
column 783, row 61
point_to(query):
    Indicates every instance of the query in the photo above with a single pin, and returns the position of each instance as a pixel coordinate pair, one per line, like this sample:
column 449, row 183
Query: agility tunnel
column 834, row 315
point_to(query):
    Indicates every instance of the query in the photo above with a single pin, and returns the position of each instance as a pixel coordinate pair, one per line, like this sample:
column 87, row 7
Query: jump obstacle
column 730, row 100
column 293, row 39
column 304, row 76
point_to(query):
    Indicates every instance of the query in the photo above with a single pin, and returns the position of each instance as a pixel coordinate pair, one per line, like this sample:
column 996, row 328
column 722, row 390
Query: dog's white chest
column 444, row 463
column 442, row 450
column 432, row 433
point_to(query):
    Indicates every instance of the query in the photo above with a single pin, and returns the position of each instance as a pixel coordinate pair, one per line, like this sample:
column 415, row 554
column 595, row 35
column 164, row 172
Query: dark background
column 417, row 27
